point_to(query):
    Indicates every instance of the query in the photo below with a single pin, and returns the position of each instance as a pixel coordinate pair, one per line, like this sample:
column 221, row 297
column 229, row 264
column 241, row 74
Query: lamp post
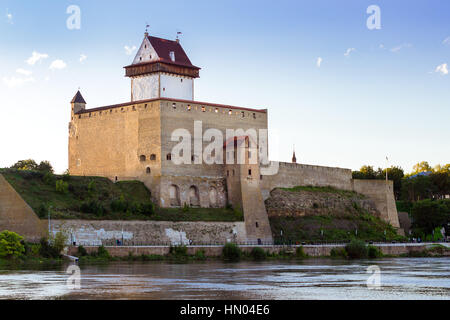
column 49, row 224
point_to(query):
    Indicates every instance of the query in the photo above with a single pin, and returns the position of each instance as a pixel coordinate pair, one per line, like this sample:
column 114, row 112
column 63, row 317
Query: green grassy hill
column 97, row 198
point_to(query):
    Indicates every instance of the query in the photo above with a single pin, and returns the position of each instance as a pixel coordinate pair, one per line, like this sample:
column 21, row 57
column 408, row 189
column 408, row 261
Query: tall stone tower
column 161, row 69
column 243, row 177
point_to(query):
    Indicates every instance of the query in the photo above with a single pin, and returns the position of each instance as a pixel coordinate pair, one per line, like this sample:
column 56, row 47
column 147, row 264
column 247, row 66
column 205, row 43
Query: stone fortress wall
column 17, row 216
column 149, row 232
column 293, row 174
column 133, row 141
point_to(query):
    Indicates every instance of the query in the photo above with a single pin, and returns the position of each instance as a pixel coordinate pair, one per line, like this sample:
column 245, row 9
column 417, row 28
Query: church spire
column 294, row 158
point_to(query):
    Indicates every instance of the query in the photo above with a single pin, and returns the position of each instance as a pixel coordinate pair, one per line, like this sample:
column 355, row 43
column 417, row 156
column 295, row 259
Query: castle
column 135, row 141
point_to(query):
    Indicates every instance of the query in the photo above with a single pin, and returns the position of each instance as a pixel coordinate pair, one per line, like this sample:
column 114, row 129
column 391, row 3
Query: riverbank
column 312, row 251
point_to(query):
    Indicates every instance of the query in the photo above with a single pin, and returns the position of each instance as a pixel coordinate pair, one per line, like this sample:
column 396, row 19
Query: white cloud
column 349, row 50
column 13, row 81
column 83, row 58
column 9, row 17
column 381, row 46
column 319, row 62
column 442, row 69
column 24, row 72
column 35, row 57
column 446, row 41
column 400, row 47
column 58, row 65
column 129, row 51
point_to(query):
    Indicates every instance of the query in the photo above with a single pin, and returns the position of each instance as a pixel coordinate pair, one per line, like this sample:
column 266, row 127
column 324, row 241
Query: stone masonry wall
column 293, row 174
column 86, row 232
column 16, row 215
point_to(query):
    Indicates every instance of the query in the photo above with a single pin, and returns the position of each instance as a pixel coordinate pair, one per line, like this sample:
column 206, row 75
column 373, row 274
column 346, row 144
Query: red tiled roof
column 163, row 47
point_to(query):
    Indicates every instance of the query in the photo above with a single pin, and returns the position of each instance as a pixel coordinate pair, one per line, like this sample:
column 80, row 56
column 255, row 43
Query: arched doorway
column 194, row 199
column 174, row 194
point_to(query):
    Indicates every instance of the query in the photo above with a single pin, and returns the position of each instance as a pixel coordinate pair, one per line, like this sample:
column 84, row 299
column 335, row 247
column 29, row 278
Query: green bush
column 200, row 255
column 49, row 179
column 258, row 254
column 62, row 186
column 92, row 206
column 11, row 245
column 82, row 252
column 47, row 250
column 42, row 211
column 338, row 253
column 59, row 241
column 231, row 252
column 356, row 249
column 300, row 253
column 374, row 252
column 179, row 251
column 103, row 253
column 92, row 188
column 119, row 205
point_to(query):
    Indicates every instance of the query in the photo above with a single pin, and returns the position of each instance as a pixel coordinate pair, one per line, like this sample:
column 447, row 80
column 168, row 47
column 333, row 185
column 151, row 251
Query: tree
column 395, row 174
column 45, row 166
column 421, row 167
column 11, row 245
column 417, row 188
column 441, row 181
column 428, row 215
column 29, row 164
column 366, row 172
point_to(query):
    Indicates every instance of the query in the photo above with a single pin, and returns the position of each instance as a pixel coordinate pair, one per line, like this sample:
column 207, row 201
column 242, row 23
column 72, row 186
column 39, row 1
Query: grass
column 90, row 198
column 344, row 193
column 332, row 228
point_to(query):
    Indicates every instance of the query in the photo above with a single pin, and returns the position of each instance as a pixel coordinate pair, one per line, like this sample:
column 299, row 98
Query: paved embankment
column 214, row 251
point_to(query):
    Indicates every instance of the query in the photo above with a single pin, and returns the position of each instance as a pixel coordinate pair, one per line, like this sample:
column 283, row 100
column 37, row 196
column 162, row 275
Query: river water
column 402, row 278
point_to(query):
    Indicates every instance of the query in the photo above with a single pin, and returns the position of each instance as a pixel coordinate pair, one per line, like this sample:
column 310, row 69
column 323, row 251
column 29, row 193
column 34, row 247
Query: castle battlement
column 311, row 167
column 173, row 104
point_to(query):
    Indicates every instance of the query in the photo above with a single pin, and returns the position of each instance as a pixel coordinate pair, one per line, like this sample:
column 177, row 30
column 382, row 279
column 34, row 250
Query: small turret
column 78, row 103
column 294, row 158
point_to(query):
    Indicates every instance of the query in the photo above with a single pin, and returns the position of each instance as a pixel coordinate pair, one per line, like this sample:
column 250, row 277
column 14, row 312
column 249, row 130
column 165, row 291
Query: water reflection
column 421, row 278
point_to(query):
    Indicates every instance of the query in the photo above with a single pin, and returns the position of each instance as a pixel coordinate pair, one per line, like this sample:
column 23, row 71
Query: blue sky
column 388, row 97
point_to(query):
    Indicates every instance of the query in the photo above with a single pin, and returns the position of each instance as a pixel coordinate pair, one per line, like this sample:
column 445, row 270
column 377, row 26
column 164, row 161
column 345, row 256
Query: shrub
column 47, row 250
column 62, row 186
column 92, row 206
column 338, row 253
column 186, row 208
column 148, row 208
column 231, row 252
column 119, row 205
column 258, row 253
column 92, row 188
column 200, row 255
column 374, row 252
column 179, row 251
column 82, row 251
column 42, row 211
column 49, row 179
column 300, row 253
column 102, row 252
column 356, row 249
column 11, row 245
column 59, row 241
